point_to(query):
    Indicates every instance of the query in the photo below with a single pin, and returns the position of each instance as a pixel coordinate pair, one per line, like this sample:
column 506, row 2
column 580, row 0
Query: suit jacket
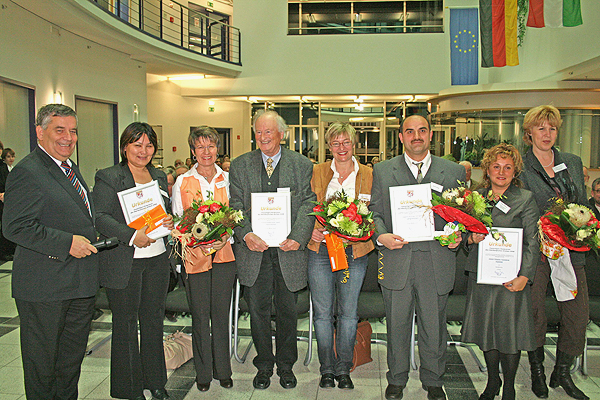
column 523, row 213
column 42, row 212
column 3, row 176
column 245, row 178
column 394, row 264
column 322, row 175
column 115, row 264
column 592, row 206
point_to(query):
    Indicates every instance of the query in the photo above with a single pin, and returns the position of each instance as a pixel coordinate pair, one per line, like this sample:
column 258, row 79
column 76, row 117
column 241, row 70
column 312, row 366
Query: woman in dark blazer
column 343, row 173
column 498, row 318
column 136, row 272
column 549, row 173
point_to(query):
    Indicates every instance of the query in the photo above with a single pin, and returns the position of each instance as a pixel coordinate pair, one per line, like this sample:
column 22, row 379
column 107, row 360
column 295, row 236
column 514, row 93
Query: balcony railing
column 176, row 24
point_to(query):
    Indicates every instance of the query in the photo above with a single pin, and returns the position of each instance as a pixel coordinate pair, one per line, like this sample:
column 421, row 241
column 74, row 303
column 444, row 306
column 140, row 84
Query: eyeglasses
column 345, row 143
column 210, row 147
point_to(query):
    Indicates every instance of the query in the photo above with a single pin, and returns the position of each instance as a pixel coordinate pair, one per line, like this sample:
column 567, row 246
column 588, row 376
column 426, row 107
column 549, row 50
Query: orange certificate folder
column 337, row 252
column 143, row 205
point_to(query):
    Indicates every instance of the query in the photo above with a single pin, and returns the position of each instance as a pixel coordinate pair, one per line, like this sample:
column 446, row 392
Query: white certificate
column 139, row 200
column 412, row 218
column 271, row 216
column 500, row 260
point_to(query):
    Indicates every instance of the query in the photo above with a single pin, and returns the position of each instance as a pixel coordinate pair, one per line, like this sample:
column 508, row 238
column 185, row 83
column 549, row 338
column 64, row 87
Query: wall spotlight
column 58, row 97
column 357, row 17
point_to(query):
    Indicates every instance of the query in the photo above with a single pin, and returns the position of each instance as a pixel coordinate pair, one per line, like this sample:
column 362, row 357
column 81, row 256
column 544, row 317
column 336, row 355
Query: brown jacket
column 322, row 175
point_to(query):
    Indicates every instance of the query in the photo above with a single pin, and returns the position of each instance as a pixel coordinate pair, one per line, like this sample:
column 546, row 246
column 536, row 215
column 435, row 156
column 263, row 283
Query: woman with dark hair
column 210, row 278
column 136, row 272
column 7, row 248
column 498, row 318
column 550, row 174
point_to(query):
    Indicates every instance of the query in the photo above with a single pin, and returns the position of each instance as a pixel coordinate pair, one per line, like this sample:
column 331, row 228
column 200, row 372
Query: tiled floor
column 463, row 379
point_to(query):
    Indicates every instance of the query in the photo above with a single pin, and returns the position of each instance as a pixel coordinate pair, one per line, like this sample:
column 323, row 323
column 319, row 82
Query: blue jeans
column 324, row 285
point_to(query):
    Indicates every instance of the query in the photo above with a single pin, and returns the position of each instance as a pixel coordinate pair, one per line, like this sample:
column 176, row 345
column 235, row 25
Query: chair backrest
column 371, row 284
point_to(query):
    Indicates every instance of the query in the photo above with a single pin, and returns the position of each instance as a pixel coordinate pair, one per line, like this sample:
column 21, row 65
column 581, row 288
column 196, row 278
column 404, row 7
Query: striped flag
column 554, row 13
column 498, row 26
column 464, row 46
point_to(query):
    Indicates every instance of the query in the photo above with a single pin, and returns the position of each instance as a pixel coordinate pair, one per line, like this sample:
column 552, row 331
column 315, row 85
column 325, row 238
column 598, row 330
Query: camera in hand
column 106, row 243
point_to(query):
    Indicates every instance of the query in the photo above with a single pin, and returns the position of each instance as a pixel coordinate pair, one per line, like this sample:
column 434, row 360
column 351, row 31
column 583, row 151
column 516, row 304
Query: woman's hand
column 317, row 235
column 475, row 238
column 141, row 239
column 517, row 284
column 220, row 243
column 168, row 223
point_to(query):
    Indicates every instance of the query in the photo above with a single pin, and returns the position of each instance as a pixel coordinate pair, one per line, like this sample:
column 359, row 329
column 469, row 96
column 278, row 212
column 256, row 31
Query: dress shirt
column 275, row 158
column 349, row 184
column 415, row 169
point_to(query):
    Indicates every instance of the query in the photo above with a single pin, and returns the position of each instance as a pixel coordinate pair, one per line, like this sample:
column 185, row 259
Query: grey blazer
column 394, row 264
column 244, row 179
column 115, row 264
column 42, row 212
column 524, row 214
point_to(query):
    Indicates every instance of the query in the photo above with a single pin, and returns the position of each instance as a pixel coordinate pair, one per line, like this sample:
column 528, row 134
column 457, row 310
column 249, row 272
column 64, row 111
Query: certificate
column 411, row 218
column 500, row 260
column 271, row 216
column 143, row 205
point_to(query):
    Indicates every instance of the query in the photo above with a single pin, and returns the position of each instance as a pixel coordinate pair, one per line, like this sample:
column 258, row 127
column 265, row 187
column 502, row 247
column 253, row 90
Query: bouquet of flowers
column 568, row 225
column 343, row 217
column 464, row 210
column 205, row 222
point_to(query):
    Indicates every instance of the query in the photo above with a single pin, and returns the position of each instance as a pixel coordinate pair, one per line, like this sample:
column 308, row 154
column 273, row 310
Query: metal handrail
column 180, row 26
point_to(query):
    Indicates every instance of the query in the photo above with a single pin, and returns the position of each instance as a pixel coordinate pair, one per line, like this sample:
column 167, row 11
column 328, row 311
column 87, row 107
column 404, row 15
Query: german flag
column 498, row 26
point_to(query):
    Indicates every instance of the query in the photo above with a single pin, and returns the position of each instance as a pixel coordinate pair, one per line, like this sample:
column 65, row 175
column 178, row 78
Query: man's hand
column 81, row 247
column 391, row 241
column 456, row 242
column 255, row 243
column 289, row 245
column 475, row 238
column 141, row 239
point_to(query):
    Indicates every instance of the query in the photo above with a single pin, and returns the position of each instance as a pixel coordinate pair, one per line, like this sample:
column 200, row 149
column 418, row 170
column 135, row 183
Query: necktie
column 73, row 178
column 419, row 173
column 270, row 167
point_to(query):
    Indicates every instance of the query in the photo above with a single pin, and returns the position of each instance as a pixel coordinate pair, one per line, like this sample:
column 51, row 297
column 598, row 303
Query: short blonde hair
column 503, row 150
column 340, row 129
column 537, row 116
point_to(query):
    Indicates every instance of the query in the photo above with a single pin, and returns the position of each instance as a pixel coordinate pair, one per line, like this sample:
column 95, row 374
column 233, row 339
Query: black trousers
column 209, row 297
column 270, row 289
column 135, row 367
column 54, row 337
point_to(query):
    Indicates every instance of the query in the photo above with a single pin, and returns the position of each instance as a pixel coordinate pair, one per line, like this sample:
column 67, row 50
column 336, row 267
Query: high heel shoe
column 490, row 394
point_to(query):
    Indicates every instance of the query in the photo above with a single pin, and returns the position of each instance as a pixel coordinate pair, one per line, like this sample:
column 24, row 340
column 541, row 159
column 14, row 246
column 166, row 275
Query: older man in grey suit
column 414, row 276
column 271, row 272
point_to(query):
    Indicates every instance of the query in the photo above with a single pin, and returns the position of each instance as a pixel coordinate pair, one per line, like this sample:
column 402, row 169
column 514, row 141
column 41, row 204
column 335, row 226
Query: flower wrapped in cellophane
column 204, row 223
column 343, row 217
column 568, row 225
column 464, row 210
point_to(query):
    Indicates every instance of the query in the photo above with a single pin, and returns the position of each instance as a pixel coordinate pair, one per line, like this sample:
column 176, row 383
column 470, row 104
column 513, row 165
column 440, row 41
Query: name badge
column 283, row 190
column 437, row 187
column 502, row 207
column 220, row 184
column 364, row 197
column 164, row 194
column 559, row 167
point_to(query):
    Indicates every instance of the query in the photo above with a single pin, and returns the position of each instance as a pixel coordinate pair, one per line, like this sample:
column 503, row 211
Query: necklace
column 551, row 162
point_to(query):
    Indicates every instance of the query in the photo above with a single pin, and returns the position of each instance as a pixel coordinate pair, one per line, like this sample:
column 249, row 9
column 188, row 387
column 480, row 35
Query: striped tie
column 73, row 178
column 419, row 173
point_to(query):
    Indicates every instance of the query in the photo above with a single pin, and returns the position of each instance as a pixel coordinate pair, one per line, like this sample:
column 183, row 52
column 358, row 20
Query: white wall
column 177, row 114
column 52, row 59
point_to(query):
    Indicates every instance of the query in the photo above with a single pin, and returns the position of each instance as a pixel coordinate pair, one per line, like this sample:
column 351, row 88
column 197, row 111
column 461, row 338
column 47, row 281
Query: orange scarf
column 191, row 190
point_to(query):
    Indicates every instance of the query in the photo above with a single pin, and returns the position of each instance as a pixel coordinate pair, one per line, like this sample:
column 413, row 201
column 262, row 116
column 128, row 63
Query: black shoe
column 490, row 394
column 538, row 377
column 171, row 316
column 159, row 394
column 344, row 381
column 561, row 376
column 394, row 392
column 327, row 381
column 203, row 387
column 435, row 392
column 226, row 383
column 287, row 379
column 262, row 380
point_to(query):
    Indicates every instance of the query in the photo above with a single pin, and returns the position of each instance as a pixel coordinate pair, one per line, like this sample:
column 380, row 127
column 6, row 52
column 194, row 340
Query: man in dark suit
column 271, row 272
column 595, row 199
column 414, row 276
column 48, row 213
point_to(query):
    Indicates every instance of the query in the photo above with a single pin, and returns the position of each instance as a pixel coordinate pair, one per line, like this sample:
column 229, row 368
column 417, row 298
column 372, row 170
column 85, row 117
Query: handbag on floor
column 178, row 349
column 362, row 345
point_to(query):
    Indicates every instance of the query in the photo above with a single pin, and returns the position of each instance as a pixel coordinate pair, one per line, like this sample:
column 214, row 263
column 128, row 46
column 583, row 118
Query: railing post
column 181, row 12
column 160, row 19
column 141, row 14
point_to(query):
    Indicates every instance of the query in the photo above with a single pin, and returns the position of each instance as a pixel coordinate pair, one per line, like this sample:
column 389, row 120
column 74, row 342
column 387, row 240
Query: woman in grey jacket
column 549, row 174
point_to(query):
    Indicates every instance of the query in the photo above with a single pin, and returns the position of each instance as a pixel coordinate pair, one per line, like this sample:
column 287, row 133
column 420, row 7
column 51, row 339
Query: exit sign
column 211, row 109
column 210, row 3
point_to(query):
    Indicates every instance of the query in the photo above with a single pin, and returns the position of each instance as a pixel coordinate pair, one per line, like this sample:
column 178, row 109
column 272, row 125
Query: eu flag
column 464, row 46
